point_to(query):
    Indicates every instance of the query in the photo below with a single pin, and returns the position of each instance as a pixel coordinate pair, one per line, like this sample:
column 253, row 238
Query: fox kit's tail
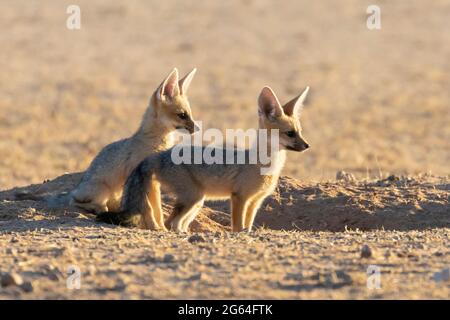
column 53, row 201
column 135, row 205
column 26, row 195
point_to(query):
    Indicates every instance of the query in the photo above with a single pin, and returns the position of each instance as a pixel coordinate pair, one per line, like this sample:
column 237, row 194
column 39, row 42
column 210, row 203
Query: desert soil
column 379, row 106
column 311, row 241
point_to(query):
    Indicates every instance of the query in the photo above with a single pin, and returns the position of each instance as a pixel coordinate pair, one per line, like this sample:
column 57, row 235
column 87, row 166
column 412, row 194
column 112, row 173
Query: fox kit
column 192, row 183
column 100, row 188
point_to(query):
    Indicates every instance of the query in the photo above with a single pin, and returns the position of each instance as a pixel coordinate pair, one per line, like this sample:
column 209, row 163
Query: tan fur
column 101, row 187
column 243, row 184
column 192, row 184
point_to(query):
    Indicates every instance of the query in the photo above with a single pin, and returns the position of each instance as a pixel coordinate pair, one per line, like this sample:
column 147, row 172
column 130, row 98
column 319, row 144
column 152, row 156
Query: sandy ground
column 312, row 241
column 379, row 105
column 379, row 100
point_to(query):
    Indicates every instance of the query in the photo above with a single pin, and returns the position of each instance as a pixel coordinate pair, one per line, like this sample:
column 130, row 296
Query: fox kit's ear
column 293, row 107
column 169, row 87
column 268, row 104
column 185, row 82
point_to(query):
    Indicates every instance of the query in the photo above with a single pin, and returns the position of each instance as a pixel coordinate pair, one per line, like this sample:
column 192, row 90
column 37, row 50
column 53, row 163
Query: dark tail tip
column 117, row 218
column 26, row 195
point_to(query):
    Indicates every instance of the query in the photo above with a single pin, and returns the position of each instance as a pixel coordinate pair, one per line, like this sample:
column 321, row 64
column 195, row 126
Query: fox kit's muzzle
column 190, row 126
column 301, row 146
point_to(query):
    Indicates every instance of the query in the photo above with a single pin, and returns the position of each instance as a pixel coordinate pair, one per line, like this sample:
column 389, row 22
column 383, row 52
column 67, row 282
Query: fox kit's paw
column 243, row 231
column 178, row 230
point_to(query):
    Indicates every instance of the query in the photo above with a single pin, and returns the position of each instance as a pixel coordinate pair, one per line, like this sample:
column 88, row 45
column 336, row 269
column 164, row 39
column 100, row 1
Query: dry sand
column 379, row 105
column 310, row 243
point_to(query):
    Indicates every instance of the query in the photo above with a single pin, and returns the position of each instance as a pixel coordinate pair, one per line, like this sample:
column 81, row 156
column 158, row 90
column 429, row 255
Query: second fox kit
column 101, row 187
column 192, row 183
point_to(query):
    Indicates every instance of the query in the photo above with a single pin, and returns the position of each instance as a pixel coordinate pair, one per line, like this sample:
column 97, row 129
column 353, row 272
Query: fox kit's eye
column 290, row 134
column 183, row 115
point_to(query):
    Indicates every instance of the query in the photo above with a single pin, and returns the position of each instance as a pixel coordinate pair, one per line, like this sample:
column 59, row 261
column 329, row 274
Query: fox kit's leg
column 182, row 211
column 176, row 211
column 155, row 202
column 190, row 216
column 148, row 217
column 238, row 210
column 252, row 209
column 185, row 205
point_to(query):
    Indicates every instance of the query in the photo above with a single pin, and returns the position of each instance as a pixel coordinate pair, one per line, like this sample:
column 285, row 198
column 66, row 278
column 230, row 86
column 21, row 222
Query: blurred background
column 379, row 100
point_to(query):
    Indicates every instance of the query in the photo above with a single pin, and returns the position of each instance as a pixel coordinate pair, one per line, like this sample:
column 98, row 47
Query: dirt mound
column 393, row 203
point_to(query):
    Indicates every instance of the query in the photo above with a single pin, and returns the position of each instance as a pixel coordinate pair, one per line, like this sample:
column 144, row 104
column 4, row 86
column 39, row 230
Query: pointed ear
column 185, row 82
column 293, row 107
column 169, row 87
column 268, row 104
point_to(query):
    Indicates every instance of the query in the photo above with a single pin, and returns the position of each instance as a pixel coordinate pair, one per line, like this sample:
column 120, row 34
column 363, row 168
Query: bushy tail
column 135, row 205
column 27, row 195
column 53, row 201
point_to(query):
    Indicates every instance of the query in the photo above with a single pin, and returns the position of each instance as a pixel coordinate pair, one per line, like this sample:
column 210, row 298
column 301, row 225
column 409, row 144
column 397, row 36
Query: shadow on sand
column 392, row 205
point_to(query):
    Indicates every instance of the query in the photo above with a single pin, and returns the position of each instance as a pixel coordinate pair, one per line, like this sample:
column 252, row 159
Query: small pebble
column 27, row 286
column 11, row 279
column 11, row 251
column 366, row 252
column 196, row 238
column 345, row 176
column 442, row 276
column 168, row 258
